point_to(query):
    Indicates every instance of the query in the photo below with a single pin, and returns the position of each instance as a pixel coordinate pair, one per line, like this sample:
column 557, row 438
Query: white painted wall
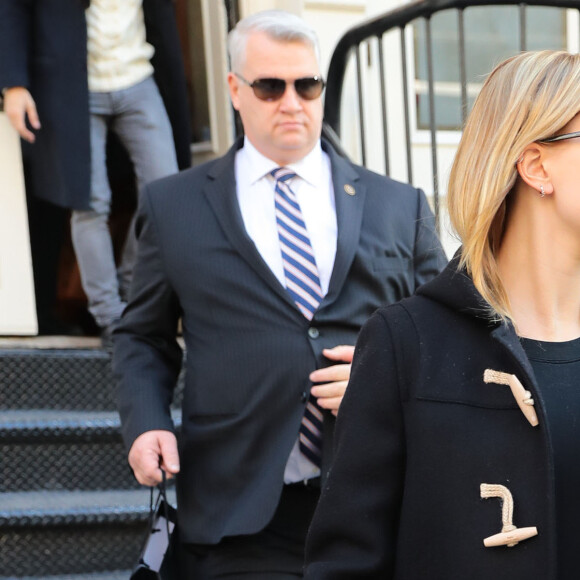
column 17, row 306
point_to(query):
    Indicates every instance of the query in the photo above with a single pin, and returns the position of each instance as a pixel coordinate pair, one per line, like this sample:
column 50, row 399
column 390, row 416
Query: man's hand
column 18, row 104
column 335, row 378
column 151, row 452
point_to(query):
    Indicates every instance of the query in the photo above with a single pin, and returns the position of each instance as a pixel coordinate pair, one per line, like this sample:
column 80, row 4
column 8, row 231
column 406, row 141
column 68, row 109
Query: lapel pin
column 349, row 189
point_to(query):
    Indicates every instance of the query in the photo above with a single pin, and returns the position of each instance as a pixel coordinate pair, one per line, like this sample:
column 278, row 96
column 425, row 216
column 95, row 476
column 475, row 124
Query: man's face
column 287, row 129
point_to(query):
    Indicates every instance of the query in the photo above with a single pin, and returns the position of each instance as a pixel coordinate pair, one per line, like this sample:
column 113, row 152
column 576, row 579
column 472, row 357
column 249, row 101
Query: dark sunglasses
column 307, row 88
column 563, row 137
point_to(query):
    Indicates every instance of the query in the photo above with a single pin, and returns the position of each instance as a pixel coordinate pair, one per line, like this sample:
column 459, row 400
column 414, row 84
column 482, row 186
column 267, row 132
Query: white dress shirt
column 315, row 194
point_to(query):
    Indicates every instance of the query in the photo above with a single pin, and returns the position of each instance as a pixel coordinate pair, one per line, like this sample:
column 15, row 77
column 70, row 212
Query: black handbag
column 158, row 547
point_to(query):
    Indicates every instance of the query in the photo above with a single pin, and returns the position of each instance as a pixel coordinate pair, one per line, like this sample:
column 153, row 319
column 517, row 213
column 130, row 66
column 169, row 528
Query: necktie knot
column 282, row 174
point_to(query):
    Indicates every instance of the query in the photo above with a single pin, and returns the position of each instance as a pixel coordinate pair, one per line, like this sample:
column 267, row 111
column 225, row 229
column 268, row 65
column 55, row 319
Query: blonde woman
column 458, row 441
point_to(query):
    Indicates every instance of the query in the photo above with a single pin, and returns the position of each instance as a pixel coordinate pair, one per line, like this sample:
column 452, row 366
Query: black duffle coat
column 418, row 433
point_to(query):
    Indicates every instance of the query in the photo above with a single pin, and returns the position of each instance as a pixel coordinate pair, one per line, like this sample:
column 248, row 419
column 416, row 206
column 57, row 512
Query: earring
column 542, row 192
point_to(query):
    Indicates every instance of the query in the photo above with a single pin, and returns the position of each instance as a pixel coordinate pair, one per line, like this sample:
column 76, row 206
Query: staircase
column 69, row 505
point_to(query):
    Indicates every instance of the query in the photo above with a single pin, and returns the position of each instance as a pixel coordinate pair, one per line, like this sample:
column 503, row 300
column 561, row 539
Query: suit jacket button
column 304, row 397
column 313, row 332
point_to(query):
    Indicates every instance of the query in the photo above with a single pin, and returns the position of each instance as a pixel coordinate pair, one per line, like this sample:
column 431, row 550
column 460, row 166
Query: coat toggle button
column 510, row 534
column 520, row 394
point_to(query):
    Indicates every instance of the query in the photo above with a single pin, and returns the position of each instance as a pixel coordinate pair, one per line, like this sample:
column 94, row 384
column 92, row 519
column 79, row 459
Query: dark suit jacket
column 418, row 432
column 249, row 349
column 43, row 46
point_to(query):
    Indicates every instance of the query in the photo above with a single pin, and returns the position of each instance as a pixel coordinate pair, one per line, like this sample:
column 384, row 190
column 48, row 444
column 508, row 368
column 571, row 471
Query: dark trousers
column 275, row 553
column 47, row 226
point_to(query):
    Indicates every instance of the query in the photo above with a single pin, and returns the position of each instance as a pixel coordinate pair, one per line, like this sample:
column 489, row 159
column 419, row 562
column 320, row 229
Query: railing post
column 432, row 121
column 523, row 27
column 462, row 66
column 360, row 106
column 384, row 105
column 406, row 105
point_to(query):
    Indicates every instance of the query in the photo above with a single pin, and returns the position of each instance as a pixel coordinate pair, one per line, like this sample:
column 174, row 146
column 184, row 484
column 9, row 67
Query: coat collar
column 455, row 289
column 349, row 195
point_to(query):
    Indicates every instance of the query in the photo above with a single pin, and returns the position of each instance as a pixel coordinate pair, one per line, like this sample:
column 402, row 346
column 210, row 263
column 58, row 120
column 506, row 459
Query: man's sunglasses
column 307, row 88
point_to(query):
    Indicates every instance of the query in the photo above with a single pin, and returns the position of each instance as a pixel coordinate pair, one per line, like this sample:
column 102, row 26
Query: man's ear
column 532, row 170
column 234, row 87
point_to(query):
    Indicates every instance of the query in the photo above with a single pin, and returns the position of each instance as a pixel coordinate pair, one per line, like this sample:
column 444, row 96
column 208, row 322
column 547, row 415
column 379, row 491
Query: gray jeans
column 138, row 116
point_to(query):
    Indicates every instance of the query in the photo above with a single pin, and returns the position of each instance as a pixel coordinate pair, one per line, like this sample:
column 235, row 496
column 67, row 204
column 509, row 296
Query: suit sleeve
column 354, row 530
column 15, row 26
column 428, row 256
column 147, row 357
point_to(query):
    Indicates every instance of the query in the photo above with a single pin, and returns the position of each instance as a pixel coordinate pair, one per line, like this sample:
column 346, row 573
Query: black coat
column 249, row 348
column 43, row 47
column 418, row 432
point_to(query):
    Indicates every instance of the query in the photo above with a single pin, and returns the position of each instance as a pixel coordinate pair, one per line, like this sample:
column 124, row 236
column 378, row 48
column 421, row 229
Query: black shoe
column 107, row 335
column 52, row 326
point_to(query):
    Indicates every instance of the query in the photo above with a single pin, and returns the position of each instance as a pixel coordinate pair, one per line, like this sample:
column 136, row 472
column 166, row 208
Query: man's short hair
column 278, row 25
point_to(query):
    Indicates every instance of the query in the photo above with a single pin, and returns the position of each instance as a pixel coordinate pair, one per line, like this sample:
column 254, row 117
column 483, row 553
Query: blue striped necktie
column 303, row 284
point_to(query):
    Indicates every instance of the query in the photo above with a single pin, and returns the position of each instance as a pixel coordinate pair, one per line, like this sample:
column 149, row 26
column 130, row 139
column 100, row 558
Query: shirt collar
column 258, row 165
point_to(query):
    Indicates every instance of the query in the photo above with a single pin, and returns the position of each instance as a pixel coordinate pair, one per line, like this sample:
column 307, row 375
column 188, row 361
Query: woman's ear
column 531, row 168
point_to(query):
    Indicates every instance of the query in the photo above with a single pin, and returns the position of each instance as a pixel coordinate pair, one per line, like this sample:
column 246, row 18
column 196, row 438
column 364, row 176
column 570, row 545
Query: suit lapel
column 221, row 195
column 349, row 195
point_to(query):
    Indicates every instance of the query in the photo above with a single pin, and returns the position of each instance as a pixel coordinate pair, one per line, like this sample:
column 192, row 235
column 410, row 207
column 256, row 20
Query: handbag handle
column 162, row 487
column 143, row 570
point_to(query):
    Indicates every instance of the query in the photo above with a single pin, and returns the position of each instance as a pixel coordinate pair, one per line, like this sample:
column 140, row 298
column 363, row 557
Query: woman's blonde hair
column 527, row 98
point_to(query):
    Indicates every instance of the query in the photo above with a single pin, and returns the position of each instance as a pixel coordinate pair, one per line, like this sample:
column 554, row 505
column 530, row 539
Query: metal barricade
column 389, row 96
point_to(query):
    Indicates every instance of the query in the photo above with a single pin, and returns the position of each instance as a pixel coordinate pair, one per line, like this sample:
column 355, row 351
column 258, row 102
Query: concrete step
column 115, row 575
column 72, row 533
column 71, row 379
column 63, row 450
column 70, row 508
column 56, row 379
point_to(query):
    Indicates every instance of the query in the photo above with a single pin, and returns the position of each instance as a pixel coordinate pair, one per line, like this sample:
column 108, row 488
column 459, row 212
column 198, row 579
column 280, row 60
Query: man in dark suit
column 272, row 256
column 70, row 71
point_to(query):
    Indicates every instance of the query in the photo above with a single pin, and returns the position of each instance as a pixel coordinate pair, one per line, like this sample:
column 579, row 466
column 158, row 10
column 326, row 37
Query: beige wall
column 330, row 18
column 17, row 307
column 250, row 6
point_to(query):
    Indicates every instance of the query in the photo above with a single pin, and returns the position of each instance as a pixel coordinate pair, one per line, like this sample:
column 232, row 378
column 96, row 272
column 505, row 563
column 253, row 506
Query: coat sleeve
column 428, row 256
column 162, row 33
column 354, row 530
column 146, row 356
column 15, row 25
